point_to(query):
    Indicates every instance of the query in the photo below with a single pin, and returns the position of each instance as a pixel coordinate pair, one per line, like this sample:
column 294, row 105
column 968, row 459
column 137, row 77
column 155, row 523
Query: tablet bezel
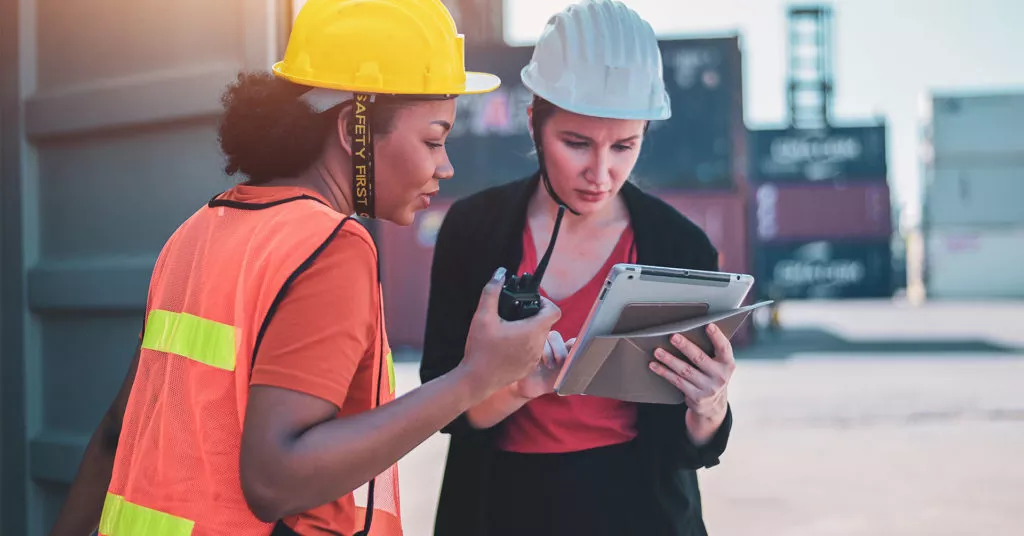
column 636, row 283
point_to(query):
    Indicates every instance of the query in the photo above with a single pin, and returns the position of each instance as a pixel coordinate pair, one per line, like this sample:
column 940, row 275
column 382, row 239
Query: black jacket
column 481, row 233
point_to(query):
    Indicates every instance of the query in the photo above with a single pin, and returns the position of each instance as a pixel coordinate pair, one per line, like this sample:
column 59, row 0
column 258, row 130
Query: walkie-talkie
column 520, row 297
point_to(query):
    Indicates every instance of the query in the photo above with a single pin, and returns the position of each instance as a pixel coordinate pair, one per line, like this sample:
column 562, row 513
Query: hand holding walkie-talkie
column 520, row 297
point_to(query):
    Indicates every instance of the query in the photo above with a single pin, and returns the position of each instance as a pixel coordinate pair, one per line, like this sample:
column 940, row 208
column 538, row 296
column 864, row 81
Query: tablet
column 629, row 284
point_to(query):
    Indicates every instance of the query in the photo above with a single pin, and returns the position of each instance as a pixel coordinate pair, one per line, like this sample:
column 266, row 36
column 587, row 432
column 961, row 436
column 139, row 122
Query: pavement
column 873, row 417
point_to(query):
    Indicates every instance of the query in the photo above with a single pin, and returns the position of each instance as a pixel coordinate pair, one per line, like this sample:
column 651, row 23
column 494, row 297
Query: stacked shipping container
column 974, row 198
column 695, row 160
column 821, row 213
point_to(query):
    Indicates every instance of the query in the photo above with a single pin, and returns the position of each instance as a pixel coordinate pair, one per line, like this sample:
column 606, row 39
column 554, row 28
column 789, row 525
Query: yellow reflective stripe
column 122, row 518
column 199, row 339
column 391, row 372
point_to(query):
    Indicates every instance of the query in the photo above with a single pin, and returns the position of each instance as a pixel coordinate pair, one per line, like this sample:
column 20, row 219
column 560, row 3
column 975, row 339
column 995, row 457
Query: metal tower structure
column 810, row 67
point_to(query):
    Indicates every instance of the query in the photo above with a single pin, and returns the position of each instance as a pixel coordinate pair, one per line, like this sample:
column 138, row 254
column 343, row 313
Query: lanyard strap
column 362, row 156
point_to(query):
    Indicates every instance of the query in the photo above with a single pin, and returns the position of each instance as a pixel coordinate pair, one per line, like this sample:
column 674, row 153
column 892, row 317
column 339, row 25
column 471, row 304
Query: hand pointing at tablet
column 542, row 380
column 705, row 383
column 537, row 383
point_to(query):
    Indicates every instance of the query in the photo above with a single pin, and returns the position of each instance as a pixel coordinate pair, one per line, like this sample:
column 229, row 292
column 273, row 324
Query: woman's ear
column 529, row 120
column 346, row 127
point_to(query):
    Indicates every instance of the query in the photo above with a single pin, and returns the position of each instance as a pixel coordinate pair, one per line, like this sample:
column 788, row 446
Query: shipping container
column 822, row 211
column 975, row 195
column 701, row 147
column 490, row 141
column 827, row 269
column 976, row 127
column 853, row 153
column 108, row 141
column 971, row 263
column 723, row 217
column 406, row 254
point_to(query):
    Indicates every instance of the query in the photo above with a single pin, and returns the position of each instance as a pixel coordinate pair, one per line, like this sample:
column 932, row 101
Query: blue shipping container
column 839, row 153
column 824, row 269
column 695, row 149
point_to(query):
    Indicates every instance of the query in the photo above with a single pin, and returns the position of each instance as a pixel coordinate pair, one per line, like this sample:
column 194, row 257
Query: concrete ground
column 861, row 418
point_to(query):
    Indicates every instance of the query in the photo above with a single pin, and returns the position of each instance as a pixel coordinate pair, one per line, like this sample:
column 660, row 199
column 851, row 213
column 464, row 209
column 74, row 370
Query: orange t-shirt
column 322, row 340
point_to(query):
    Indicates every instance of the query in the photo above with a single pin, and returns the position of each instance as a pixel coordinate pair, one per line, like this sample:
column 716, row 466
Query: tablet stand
column 616, row 365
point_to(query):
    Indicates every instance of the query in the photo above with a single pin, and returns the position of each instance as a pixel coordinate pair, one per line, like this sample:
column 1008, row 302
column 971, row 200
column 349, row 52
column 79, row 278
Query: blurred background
column 864, row 159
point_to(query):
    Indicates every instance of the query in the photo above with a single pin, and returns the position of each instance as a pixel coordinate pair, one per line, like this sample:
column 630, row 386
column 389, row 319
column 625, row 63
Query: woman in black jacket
column 527, row 461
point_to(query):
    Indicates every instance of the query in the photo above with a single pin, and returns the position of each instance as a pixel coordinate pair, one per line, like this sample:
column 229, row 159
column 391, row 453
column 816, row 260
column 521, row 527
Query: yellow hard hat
column 401, row 47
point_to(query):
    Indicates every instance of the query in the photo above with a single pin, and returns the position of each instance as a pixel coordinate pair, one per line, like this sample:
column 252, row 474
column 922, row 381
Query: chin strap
column 362, row 156
column 543, row 168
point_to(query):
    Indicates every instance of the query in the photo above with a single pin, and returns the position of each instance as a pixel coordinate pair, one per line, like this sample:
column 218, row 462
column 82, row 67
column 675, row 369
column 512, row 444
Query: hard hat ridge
column 599, row 58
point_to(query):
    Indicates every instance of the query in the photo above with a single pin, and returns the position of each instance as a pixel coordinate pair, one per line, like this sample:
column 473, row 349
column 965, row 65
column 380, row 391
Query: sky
column 888, row 57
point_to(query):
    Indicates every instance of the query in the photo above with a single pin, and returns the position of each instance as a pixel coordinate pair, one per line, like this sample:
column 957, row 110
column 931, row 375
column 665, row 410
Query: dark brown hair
column 543, row 110
column 267, row 132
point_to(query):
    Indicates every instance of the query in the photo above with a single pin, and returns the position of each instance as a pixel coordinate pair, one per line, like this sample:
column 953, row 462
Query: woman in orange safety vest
column 260, row 398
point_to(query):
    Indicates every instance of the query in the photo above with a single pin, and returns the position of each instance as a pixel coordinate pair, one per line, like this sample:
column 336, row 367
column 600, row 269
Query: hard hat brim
column 528, row 80
column 476, row 83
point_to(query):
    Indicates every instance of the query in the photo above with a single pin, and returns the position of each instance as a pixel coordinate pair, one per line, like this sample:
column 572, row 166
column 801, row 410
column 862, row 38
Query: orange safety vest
column 213, row 291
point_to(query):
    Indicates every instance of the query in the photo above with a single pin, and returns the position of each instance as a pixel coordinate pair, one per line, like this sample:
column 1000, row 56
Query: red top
column 553, row 423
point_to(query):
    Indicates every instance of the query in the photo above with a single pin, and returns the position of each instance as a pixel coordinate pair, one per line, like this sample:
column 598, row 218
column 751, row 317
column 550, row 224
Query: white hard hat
column 599, row 58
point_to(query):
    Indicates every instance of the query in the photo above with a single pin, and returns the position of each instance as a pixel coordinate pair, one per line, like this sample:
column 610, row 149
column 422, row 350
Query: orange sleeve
column 325, row 325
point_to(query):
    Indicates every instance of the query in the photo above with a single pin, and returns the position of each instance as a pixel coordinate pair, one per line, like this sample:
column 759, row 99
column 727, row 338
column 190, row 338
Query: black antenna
column 543, row 265
column 520, row 296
